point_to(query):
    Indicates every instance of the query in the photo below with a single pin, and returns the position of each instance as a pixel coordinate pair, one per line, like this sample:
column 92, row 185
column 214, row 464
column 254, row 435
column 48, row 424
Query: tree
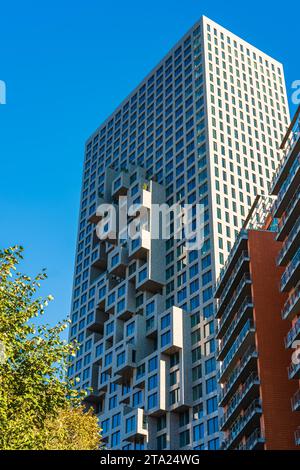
column 39, row 406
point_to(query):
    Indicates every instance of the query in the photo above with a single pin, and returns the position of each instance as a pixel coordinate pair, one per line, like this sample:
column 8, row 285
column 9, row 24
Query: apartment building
column 202, row 129
column 286, row 186
column 258, row 317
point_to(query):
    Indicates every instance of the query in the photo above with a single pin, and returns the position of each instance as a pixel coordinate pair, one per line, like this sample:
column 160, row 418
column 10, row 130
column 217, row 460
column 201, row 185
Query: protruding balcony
column 136, row 425
column 151, row 326
column 292, row 305
column 243, row 290
column 290, row 147
column 241, row 267
column 245, row 312
column 140, row 246
column 120, row 185
column 246, row 366
column 255, row 441
column 118, row 261
column 296, row 401
column 140, row 199
column 146, row 282
column 243, row 397
column 293, row 334
column 291, row 214
column 96, row 320
column 171, row 334
column 294, row 368
column 244, row 340
column 240, row 245
column 290, row 245
column 244, row 425
column 125, row 361
column 291, row 275
column 288, row 189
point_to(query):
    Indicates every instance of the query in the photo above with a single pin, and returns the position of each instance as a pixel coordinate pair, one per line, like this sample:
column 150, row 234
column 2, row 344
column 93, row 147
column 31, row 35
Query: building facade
column 286, row 186
column 202, row 128
column 258, row 317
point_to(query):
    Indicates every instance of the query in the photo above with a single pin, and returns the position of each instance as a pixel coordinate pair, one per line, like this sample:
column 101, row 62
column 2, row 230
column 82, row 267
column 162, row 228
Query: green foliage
column 35, row 394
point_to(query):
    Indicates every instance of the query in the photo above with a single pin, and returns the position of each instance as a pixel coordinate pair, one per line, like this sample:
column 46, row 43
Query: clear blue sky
column 67, row 64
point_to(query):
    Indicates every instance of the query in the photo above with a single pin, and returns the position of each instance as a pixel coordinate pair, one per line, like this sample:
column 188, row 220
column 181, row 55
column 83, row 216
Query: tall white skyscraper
column 202, row 128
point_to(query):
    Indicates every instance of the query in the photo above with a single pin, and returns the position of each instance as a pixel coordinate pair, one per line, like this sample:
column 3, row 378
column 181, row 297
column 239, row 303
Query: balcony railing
column 287, row 152
column 290, row 270
column 247, row 328
column 297, row 437
column 294, row 369
column 290, row 303
column 244, row 257
column 237, row 399
column 283, row 191
column 296, row 401
column 247, row 303
column 287, row 244
column 246, row 279
column 290, row 208
column 240, row 424
column 253, row 440
column 236, row 373
column 242, row 234
column 293, row 334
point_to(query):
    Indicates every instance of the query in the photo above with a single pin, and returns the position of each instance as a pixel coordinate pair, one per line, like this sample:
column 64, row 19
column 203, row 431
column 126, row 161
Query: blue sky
column 67, row 65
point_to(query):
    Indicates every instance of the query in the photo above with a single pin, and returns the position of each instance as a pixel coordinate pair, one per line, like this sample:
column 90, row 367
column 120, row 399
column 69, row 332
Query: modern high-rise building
column 202, row 128
column 258, row 315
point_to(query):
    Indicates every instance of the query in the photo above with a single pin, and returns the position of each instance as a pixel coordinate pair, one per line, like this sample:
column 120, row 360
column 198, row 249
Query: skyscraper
column 202, row 128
